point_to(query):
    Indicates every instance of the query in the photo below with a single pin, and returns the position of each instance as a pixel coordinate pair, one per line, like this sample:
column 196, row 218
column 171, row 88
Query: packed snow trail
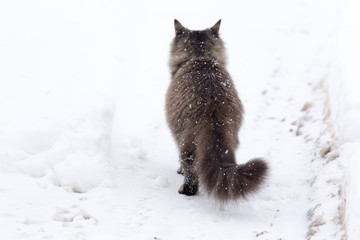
column 85, row 149
column 276, row 65
column 277, row 212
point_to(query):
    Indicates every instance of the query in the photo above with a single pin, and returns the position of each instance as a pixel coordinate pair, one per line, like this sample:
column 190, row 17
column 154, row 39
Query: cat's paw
column 188, row 189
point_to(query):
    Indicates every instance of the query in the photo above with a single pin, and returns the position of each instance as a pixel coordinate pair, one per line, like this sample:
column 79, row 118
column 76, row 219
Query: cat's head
column 189, row 44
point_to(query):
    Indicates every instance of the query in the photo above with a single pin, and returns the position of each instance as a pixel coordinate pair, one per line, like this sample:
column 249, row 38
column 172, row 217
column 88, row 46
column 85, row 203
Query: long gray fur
column 205, row 113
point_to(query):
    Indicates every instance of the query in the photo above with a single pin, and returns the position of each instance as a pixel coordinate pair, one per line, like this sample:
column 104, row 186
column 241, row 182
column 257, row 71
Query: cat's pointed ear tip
column 178, row 27
column 216, row 27
column 177, row 23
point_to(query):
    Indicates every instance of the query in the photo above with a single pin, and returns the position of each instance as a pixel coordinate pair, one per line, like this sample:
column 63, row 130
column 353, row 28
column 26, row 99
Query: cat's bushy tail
column 218, row 172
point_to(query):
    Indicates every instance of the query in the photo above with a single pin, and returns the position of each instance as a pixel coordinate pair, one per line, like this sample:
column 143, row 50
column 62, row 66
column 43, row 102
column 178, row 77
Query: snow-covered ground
column 85, row 152
column 348, row 112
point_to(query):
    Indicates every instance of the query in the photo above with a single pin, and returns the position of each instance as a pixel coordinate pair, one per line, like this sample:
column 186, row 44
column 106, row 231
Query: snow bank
column 57, row 79
column 70, row 152
column 344, row 95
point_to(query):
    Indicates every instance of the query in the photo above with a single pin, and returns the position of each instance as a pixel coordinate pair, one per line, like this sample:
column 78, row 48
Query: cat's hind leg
column 187, row 161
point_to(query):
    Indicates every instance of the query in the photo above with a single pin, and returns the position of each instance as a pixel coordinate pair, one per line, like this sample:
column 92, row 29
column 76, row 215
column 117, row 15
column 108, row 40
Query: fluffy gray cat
column 205, row 113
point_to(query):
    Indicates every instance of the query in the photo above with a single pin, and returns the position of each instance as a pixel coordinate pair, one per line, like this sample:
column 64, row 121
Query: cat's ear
column 215, row 29
column 179, row 29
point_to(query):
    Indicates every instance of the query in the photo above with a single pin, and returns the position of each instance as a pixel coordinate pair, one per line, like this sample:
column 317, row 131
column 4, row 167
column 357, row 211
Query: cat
column 204, row 114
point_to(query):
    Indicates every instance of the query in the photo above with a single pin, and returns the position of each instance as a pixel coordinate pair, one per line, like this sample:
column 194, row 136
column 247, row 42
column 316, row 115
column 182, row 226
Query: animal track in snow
column 74, row 215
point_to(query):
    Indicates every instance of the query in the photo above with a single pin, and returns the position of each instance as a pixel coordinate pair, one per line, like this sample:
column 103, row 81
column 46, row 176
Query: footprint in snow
column 74, row 216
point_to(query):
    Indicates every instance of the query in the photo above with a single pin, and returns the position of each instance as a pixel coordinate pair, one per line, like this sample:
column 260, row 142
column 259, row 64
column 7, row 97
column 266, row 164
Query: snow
column 85, row 152
column 348, row 106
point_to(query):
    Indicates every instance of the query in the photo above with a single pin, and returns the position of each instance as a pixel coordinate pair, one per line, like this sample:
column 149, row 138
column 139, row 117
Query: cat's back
column 203, row 79
column 201, row 86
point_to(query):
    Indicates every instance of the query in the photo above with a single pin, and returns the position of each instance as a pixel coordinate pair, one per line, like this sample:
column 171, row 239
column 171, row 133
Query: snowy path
column 85, row 150
column 276, row 78
column 277, row 212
